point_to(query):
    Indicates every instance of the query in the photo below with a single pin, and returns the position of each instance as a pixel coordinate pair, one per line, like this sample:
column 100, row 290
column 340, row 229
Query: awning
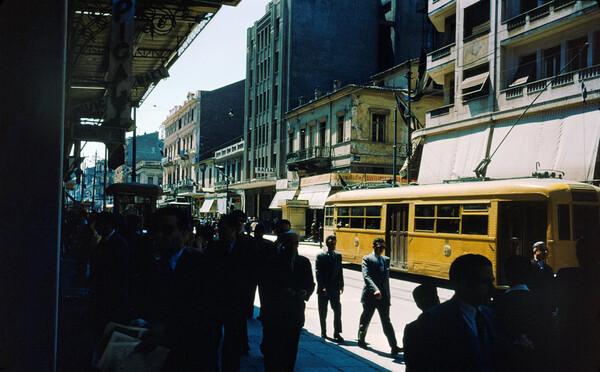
column 280, row 198
column 208, row 206
column 315, row 194
column 565, row 140
column 474, row 84
column 452, row 155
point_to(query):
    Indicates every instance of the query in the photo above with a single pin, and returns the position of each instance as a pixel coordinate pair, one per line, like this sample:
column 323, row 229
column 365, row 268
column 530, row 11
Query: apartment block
column 521, row 82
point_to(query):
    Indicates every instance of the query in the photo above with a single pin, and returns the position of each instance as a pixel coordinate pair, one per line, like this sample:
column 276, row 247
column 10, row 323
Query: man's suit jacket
column 376, row 278
column 329, row 273
column 280, row 306
column 440, row 340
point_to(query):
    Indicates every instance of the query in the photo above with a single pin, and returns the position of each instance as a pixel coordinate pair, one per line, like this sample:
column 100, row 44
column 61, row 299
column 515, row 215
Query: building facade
column 193, row 131
column 521, row 83
column 291, row 58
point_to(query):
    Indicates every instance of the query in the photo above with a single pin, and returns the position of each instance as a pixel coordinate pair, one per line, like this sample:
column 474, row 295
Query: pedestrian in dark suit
column 238, row 260
column 524, row 314
column 460, row 334
column 542, row 280
column 266, row 249
column 330, row 285
column 109, row 276
column 181, row 295
column 376, row 295
column 288, row 283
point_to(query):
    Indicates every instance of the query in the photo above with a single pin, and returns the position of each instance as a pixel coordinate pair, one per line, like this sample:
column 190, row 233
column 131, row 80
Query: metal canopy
column 163, row 30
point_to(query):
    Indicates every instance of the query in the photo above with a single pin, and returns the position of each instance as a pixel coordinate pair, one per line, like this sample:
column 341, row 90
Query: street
column 403, row 311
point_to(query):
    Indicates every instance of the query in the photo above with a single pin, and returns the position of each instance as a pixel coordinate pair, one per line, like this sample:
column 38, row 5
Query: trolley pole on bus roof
column 394, row 169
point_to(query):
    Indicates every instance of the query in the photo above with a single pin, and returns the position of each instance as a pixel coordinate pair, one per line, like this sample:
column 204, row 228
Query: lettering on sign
column 87, row 108
column 98, row 133
column 149, row 77
column 120, row 63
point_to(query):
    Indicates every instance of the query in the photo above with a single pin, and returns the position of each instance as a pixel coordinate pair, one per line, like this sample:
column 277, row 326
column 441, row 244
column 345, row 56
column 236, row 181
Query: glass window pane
column 476, row 207
column 448, row 210
column 373, row 223
column 475, row 224
column 357, row 211
column 564, row 222
column 343, row 222
column 585, row 221
column 328, row 221
column 329, row 211
column 448, row 226
column 425, row 224
column 373, row 211
column 425, row 210
column 343, row 211
column 357, row 223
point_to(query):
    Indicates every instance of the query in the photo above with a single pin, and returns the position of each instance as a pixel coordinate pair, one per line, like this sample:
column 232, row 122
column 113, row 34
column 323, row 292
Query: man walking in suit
column 330, row 285
column 376, row 295
column 461, row 334
column 288, row 284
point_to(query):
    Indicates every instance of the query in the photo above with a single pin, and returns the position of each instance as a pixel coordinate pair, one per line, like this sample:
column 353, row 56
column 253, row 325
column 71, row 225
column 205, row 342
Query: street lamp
column 222, row 169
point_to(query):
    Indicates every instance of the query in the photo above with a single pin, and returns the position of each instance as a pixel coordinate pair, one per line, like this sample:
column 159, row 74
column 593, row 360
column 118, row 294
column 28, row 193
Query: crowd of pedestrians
column 193, row 286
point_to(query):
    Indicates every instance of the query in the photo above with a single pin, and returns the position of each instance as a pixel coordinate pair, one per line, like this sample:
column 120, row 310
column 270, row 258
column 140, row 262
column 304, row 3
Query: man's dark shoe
column 396, row 350
column 324, row 336
column 338, row 338
column 362, row 344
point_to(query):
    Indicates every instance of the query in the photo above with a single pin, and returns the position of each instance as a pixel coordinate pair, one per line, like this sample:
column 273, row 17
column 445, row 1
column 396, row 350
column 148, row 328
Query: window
column 596, row 49
column 469, row 219
column 276, row 63
column 291, row 142
column 573, row 48
column 551, row 61
column 340, row 128
column 475, row 83
column 276, row 28
column 378, row 127
column 150, row 180
column 322, row 125
column 359, row 217
column 275, row 95
column 328, row 216
column 311, row 136
column 302, row 139
column 274, row 131
column 564, row 222
column 527, row 70
column 477, row 18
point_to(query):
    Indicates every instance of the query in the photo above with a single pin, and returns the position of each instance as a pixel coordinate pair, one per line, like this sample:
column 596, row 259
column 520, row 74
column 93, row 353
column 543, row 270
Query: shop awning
column 452, row 155
column 280, row 198
column 564, row 140
column 315, row 194
column 208, row 206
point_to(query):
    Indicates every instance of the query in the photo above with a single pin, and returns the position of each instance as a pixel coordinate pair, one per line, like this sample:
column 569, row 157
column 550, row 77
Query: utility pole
column 409, row 134
column 94, row 181
column 133, row 145
column 394, row 169
column 105, row 175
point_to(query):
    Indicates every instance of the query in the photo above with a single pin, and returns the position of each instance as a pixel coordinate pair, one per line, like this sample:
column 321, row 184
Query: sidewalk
column 314, row 353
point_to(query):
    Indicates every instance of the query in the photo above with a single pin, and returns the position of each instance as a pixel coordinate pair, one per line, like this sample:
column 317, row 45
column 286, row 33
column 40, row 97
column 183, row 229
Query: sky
column 216, row 58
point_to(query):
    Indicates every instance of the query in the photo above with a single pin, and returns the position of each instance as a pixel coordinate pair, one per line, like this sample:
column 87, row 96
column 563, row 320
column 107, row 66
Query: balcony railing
column 444, row 110
column 536, row 13
column 442, row 52
column 561, row 80
column 166, row 161
column 309, row 153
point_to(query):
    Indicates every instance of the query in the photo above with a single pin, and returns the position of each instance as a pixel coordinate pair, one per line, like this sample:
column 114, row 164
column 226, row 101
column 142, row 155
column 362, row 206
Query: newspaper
column 117, row 348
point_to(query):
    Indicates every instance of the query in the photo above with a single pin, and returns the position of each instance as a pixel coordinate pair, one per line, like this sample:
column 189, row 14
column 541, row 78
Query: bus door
column 397, row 217
column 520, row 224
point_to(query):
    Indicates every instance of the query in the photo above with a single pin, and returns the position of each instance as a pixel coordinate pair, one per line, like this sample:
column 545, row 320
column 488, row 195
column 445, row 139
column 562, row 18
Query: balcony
column 184, row 154
column 550, row 12
column 441, row 62
column 439, row 10
column 439, row 116
column 310, row 158
column 166, row 161
column 565, row 87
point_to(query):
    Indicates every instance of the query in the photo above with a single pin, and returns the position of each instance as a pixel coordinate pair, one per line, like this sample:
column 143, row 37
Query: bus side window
column 564, row 222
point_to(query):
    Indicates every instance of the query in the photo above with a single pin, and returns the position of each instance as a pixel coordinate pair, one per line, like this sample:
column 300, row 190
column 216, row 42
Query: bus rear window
column 564, row 222
column 585, row 221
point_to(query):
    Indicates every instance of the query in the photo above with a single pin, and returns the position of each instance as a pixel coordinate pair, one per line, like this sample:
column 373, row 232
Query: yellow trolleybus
column 427, row 227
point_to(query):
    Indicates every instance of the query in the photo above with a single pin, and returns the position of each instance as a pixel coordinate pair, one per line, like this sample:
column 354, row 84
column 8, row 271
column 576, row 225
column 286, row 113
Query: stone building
column 521, row 82
column 298, row 48
column 194, row 130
